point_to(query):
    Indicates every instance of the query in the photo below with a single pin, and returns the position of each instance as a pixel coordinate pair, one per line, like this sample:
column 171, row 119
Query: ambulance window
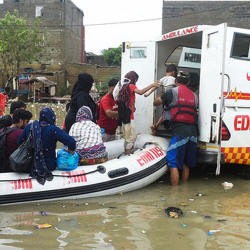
column 240, row 48
column 138, row 52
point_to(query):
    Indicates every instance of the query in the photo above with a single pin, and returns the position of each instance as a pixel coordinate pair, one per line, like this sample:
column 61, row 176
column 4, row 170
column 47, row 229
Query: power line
column 137, row 21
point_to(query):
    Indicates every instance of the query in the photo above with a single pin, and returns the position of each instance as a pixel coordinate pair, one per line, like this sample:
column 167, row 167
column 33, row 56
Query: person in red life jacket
column 182, row 105
column 108, row 113
column 3, row 98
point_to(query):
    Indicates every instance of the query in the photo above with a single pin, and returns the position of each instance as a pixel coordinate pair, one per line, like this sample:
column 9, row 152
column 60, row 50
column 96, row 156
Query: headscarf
column 39, row 168
column 124, row 94
column 84, row 113
column 132, row 76
column 47, row 116
column 84, row 83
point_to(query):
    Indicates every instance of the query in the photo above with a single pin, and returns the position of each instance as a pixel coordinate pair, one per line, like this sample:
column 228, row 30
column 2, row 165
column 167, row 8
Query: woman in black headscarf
column 80, row 97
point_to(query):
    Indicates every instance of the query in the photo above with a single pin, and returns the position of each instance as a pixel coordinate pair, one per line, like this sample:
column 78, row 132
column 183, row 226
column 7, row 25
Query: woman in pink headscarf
column 126, row 106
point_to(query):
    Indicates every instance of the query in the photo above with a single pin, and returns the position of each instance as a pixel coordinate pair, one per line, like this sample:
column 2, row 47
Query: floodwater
column 137, row 220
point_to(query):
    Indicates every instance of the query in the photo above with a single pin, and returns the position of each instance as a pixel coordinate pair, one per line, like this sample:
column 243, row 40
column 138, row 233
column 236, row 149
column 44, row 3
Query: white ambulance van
column 220, row 57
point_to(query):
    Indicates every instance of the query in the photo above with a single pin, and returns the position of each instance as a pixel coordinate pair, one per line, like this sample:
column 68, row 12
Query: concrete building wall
column 63, row 21
column 180, row 14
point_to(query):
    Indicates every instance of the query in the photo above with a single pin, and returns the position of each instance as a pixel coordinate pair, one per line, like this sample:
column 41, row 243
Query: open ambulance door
column 141, row 58
column 211, row 100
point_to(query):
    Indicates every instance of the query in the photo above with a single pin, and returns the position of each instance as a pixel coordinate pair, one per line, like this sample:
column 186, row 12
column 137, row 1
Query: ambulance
column 219, row 57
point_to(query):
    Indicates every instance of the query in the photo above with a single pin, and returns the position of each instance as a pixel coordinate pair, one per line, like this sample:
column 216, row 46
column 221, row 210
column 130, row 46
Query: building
column 64, row 22
column 180, row 14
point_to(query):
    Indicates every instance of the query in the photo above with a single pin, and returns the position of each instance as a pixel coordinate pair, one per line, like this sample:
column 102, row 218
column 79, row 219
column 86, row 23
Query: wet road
column 137, row 220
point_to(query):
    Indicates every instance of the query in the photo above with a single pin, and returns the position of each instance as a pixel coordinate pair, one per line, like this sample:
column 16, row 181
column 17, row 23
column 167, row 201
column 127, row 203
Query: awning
column 41, row 79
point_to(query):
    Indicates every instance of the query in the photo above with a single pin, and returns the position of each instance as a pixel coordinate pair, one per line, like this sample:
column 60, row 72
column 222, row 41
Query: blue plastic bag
column 66, row 161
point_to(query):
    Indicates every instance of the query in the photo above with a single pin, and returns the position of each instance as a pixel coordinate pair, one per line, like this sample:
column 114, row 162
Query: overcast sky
column 99, row 37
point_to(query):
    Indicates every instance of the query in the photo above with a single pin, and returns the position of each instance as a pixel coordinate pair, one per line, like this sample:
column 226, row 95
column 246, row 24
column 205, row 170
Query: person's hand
column 156, row 84
column 69, row 151
column 146, row 95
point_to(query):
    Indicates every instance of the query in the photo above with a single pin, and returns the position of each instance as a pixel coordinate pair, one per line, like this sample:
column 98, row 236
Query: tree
column 112, row 56
column 21, row 43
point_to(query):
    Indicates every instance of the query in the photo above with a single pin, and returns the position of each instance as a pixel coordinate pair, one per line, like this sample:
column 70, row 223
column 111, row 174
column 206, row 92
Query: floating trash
column 219, row 205
column 193, row 211
column 227, row 185
column 210, row 233
column 199, row 195
column 43, row 213
column 207, row 217
column 183, row 225
column 143, row 231
column 215, row 230
column 173, row 212
column 43, row 226
column 191, row 199
column 221, row 220
column 183, row 204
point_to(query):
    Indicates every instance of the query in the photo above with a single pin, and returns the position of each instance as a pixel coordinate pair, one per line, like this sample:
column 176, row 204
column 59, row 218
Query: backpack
column 118, row 87
column 3, row 161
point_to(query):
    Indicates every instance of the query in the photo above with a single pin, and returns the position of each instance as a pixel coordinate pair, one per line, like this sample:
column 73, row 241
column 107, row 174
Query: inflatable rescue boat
column 122, row 173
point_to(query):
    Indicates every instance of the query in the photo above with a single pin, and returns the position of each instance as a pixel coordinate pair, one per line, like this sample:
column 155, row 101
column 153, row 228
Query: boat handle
column 147, row 143
column 121, row 154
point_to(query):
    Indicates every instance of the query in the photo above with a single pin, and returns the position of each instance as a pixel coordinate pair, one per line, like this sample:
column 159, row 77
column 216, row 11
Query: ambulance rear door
column 212, row 80
column 141, row 58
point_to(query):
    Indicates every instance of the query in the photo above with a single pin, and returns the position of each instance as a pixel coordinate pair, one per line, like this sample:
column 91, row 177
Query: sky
column 99, row 37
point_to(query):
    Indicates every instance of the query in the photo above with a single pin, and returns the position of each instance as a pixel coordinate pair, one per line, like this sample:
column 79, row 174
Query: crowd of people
column 88, row 125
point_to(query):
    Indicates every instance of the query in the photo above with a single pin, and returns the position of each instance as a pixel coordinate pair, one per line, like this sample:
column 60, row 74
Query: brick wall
column 180, row 14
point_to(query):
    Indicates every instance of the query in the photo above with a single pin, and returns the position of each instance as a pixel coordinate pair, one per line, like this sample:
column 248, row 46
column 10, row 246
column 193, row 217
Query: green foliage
column 21, row 42
column 63, row 90
column 102, row 87
column 112, row 56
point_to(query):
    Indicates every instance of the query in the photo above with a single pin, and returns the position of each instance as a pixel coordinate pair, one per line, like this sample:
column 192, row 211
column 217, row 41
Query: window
column 39, row 11
column 240, row 48
column 185, row 57
column 138, row 53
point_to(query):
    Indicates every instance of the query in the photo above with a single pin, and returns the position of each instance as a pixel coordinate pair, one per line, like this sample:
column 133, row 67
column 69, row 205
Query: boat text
column 149, row 156
column 75, row 177
column 22, row 184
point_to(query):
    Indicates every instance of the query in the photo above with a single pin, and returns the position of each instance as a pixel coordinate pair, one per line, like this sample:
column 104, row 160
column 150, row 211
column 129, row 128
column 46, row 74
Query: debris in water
column 207, row 217
column 43, row 226
column 200, row 195
column 191, row 199
column 173, row 212
column 193, row 211
column 215, row 230
column 183, row 225
column 219, row 205
column 210, row 233
column 183, row 204
column 222, row 220
column 43, row 213
column 143, row 231
column 227, row 185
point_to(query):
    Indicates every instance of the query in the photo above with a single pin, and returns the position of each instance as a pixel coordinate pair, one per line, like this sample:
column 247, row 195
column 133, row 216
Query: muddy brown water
column 137, row 220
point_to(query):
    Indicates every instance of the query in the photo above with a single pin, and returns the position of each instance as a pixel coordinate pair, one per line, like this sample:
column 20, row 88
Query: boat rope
column 51, row 177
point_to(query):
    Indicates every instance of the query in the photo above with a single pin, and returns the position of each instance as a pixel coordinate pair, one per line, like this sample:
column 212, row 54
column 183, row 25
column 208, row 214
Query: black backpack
column 3, row 134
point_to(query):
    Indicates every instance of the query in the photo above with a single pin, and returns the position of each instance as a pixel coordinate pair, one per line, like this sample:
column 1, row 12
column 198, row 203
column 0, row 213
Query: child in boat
column 89, row 143
column 167, row 83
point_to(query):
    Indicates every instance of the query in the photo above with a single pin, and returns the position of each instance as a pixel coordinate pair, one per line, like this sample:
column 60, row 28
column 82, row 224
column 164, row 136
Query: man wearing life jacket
column 182, row 104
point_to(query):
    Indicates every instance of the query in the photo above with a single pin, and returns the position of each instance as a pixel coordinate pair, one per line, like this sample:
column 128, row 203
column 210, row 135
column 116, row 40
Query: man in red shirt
column 3, row 97
column 21, row 119
column 108, row 113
